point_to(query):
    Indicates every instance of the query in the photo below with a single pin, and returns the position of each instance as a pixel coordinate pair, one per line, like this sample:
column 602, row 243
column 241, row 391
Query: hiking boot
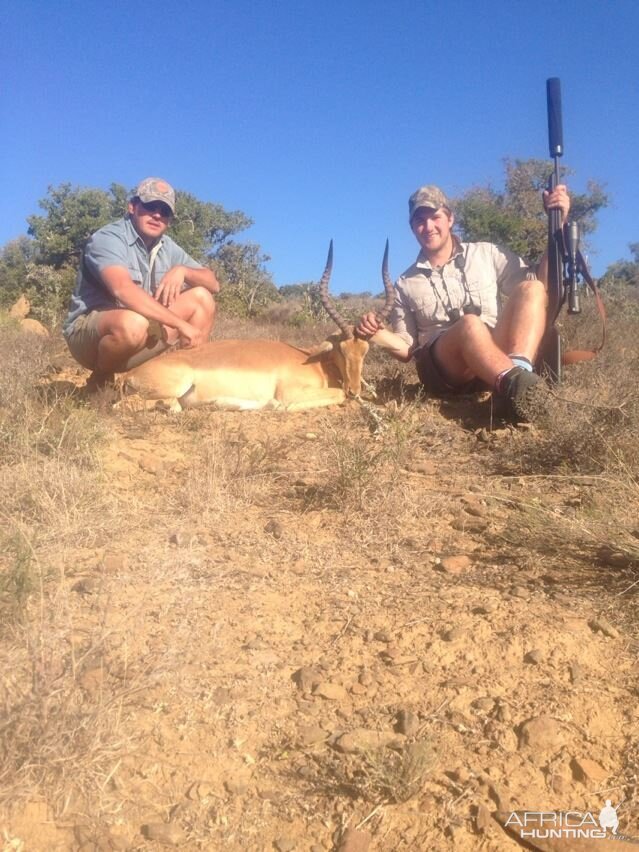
column 525, row 395
column 98, row 383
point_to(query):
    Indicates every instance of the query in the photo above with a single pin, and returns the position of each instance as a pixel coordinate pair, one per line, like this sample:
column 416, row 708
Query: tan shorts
column 83, row 339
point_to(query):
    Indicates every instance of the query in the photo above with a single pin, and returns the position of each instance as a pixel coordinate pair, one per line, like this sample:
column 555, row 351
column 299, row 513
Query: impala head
column 349, row 350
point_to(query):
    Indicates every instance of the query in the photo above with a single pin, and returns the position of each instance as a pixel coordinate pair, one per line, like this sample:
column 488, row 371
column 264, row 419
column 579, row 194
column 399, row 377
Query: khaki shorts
column 83, row 339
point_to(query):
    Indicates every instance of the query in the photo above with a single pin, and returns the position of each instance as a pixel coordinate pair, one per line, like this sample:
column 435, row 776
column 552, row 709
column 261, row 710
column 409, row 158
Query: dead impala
column 252, row 374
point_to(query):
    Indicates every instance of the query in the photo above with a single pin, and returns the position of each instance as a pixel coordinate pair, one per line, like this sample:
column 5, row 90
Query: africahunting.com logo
column 564, row 825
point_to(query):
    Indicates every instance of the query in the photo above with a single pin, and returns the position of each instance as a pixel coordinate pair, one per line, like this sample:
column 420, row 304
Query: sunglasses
column 157, row 207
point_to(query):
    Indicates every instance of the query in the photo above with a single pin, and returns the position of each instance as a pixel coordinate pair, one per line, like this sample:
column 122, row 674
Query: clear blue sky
column 317, row 119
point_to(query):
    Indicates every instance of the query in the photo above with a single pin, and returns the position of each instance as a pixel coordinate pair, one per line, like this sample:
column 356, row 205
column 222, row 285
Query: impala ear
column 324, row 346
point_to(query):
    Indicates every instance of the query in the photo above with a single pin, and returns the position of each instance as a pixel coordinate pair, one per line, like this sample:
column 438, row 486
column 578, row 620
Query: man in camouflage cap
column 137, row 291
column 448, row 310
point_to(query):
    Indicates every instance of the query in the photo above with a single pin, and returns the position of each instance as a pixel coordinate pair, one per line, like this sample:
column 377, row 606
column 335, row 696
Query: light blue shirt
column 119, row 244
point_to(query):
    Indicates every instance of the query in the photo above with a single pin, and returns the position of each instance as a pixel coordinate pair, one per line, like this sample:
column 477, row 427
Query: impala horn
column 385, row 312
column 329, row 307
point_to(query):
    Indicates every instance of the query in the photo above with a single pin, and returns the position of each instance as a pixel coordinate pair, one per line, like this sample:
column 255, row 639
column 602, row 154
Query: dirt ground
column 357, row 628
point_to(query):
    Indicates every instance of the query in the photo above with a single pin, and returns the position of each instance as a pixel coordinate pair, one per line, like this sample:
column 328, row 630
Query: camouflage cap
column 156, row 189
column 427, row 196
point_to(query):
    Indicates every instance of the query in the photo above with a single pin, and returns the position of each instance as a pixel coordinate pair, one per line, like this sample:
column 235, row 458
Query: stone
column 588, row 771
column 456, row 564
column 576, row 672
column 330, row 691
column 85, row 586
column 355, row 840
column 428, row 468
column 483, row 819
column 165, row 833
column 534, row 657
column 363, row 740
column 407, row 722
column 454, row 634
column 284, row 844
column 275, row 529
column 307, row 678
column 601, row 625
column 484, row 705
column 383, row 636
column 541, row 734
column 311, row 734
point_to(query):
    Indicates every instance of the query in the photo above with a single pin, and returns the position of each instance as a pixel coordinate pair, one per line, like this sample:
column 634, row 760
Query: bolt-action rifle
column 566, row 264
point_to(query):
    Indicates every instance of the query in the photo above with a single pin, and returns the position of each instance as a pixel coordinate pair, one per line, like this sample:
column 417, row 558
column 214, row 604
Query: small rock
column 363, row 740
column 454, row 634
column 355, row 840
column 460, row 776
column 428, row 468
column 588, row 771
column 561, row 781
column 358, row 689
column 180, row 539
column 504, row 713
column 275, row 529
column 486, row 608
column 601, row 625
column 86, row 586
column 383, row 636
column 165, row 833
column 519, row 592
column 484, row 705
column 365, row 678
column 534, row 657
column 284, row 844
column 457, row 564
column 330, row 691
column 541, row 734
column 482, row 819
column 470, row 525
column 311, row 734
column 576, row 672
column 236, row 785
column 307, row 678
column 407, row 722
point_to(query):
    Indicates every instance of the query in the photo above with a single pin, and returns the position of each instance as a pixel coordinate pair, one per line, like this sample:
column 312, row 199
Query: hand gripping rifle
column 566, row 264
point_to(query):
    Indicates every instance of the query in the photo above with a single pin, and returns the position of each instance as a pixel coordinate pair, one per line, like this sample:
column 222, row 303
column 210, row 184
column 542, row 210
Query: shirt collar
column 458, row 248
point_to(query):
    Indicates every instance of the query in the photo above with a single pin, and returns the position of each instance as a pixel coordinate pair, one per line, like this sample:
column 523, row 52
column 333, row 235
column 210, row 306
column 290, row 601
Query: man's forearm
column 135, row 299
column 201, row 277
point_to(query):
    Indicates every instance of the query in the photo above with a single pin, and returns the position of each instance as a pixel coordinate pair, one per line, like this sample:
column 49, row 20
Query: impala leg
column 313, row 398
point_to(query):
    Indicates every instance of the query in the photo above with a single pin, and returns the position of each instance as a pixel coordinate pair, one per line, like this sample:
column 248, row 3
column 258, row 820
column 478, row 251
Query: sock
column 500, row 381
column 521, row 361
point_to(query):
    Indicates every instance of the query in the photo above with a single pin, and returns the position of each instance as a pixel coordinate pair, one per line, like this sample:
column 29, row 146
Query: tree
column 246, row 285
column 515, row 217
column 14, row 258
column 72, row 215
column 623, row 271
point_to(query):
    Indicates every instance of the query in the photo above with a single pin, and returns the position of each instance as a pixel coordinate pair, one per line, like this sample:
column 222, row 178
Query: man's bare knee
column 130, row 330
